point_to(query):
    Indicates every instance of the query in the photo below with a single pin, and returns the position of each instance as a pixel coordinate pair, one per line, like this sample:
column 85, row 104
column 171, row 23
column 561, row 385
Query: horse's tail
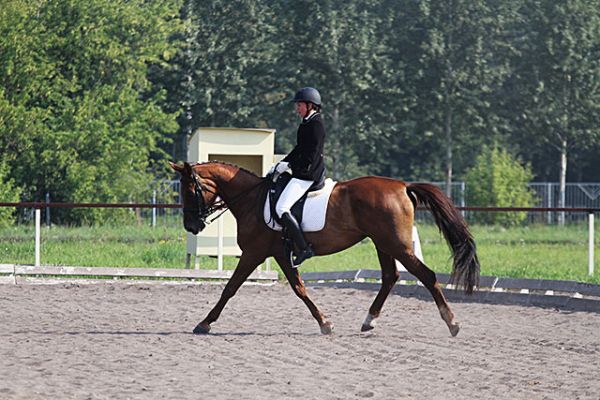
column 465, row 269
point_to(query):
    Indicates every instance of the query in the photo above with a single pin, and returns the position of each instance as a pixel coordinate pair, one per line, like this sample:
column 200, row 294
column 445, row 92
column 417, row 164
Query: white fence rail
column 591, row 241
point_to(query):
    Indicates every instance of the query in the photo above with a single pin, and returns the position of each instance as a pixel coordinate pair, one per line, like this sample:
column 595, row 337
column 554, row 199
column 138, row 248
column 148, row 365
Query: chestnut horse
column 379, row 208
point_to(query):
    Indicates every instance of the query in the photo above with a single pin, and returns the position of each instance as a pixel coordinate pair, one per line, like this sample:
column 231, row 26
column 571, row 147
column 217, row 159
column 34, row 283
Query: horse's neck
column 235, row 187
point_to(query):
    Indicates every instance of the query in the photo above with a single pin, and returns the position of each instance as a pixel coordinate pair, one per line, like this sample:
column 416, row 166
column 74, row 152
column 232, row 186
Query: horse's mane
column 230, row 165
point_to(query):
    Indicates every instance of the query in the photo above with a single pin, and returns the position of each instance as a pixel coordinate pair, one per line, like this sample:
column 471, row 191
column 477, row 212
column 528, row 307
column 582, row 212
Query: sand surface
column 123, row 341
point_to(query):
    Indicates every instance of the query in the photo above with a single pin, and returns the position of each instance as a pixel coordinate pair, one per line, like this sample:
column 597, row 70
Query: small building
column 252, row 149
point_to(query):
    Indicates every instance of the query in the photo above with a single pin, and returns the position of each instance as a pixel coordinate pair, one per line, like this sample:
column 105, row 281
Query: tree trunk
column 448, row 134
column 563, row 181
column 336, row 148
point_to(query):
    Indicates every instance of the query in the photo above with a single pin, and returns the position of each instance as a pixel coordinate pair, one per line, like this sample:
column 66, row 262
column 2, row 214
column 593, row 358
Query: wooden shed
column 252, row 149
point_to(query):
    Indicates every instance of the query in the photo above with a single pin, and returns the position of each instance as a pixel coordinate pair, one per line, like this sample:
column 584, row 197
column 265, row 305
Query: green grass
column 547, row 252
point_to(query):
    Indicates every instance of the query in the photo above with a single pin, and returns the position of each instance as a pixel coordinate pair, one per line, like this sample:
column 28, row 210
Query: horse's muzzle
column 195, row 228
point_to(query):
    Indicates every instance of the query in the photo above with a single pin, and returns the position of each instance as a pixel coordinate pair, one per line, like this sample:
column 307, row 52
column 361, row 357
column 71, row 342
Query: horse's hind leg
column 389, row 276
column 429, row 280
column 293, row 276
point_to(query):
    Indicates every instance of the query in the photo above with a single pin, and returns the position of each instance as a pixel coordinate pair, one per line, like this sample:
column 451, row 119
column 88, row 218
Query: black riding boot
column 305, row 249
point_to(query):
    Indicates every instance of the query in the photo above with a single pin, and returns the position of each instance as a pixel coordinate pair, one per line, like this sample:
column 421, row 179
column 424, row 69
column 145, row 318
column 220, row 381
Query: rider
column 307, row 165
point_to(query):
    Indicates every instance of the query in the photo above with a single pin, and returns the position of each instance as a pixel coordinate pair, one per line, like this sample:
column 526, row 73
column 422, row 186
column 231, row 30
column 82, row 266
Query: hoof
column 368, row 324
column 327, row 328
column 366, row 328
column 454, row 329
column 201, row 329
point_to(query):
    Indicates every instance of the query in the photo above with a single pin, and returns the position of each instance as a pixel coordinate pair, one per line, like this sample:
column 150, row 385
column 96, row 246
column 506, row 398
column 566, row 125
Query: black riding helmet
column 309, row 95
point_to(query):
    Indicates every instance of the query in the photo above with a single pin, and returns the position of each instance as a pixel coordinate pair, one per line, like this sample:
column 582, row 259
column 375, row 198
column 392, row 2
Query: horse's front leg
column 245, row 266
column 293, row 277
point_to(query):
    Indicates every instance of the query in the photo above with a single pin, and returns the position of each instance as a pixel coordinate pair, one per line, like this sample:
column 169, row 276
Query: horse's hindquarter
column 367, row 206
column 380, row 200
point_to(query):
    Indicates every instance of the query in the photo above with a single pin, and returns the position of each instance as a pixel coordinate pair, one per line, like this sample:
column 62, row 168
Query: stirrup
column 304, row 255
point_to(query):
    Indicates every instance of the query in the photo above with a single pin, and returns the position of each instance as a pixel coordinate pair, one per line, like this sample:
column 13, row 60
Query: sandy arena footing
column 133, row 341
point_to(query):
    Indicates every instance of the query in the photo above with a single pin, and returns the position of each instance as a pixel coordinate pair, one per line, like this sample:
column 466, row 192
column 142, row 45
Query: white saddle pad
column 315, row 209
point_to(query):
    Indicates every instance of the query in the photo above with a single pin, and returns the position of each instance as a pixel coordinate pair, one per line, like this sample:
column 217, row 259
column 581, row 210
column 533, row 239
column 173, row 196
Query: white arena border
column 567, row 295
column 16, row 274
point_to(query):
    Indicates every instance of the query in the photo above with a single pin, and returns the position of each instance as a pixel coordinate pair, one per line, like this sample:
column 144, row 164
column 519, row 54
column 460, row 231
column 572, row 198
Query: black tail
column 465, row 269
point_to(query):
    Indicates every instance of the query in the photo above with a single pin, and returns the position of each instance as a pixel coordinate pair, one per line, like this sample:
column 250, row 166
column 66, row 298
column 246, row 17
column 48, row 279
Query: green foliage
column 459, row 69
column 226, row 69
column 557, row 66
column 9, row 193
column 95, row 93
column 335, row 48
column 499, row 180
column 78, row 116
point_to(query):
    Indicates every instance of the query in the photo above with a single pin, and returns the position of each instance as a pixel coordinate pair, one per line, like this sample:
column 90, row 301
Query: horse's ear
column 187, row 169
column 176, row 167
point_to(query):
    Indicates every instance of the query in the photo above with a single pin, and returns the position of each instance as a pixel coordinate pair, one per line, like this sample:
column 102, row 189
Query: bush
column 499, row 180
column 8, row 194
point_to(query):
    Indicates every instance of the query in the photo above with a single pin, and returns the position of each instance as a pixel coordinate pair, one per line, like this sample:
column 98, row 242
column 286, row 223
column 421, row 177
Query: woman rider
column 307, row 165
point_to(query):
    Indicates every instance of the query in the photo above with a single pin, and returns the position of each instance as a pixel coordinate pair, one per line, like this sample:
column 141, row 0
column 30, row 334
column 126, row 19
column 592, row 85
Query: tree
column 557, row 76
column 461, row 67
column 224, row 73
column 499, row 180
column 335, row 48
column 82, row 119
column 9, row 193
column 24, row 74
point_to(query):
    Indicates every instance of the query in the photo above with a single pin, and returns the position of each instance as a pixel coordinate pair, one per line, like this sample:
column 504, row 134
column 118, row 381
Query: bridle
column 202, row 210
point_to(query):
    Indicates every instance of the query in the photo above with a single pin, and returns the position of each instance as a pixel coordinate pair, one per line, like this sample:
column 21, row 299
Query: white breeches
column 294, row 190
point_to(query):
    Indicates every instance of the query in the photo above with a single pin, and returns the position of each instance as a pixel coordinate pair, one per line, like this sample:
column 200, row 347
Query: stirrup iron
column 304, row 255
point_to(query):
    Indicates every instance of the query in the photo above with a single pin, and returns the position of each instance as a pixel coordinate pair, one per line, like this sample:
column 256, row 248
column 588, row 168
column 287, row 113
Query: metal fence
column 577, row 195
column 38, row 206
column 547, row 195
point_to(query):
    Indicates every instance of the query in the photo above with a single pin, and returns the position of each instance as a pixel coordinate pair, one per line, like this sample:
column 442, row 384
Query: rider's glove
column 279, row 167
column 282, row 166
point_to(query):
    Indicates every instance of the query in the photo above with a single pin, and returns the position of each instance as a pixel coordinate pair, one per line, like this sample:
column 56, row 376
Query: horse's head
column 198, row 197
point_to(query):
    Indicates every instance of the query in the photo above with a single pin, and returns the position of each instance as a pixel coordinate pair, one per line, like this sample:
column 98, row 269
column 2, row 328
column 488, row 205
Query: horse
column 378, row 208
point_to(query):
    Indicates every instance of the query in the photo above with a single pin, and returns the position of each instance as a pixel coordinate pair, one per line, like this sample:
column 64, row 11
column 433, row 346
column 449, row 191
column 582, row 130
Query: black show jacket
column 306, row 159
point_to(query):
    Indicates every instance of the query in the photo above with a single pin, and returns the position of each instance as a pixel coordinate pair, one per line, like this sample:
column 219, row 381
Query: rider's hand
column 282, row 166
column 279, row 167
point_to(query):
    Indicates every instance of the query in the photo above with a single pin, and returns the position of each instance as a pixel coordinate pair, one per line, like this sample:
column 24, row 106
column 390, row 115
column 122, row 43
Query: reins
column 204, row 211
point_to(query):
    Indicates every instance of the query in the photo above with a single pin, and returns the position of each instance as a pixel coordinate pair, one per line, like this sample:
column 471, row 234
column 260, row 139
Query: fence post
column 154, row 209
column 463, row 187
column 591, row 244
column 220, row 244
column 549, row 202
column 47, row 210
column 38, row 223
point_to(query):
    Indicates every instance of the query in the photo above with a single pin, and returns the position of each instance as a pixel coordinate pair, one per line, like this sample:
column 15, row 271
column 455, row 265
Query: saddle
column 276, row 189
column 310, row 211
